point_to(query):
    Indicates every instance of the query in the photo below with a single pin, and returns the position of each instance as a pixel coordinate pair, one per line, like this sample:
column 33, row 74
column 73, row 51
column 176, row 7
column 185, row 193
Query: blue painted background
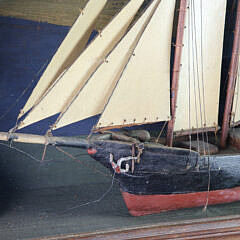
column 25, row 48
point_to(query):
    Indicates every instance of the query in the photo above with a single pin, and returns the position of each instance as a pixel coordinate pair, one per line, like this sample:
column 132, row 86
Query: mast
column 176, row 69
column 232, row 73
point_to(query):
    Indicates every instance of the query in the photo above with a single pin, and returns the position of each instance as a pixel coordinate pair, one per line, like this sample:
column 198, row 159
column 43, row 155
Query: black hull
column 164, row 170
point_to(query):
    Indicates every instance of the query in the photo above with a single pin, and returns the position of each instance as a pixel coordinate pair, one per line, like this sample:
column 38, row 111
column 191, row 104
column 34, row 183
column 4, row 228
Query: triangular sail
column 142, row 93
column 70, row 49
column 199, row 79
column 93, row 97
column 236, row 100
column 69, row 84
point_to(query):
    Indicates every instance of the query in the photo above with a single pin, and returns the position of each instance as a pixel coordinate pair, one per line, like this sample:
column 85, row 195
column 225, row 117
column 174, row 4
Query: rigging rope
column 95, row 170
column 197, row 70
column 189, row 84
column 200, row 91
column 24, row 92
column 23, row 152
column 161, row 131
column 78, row 161
column 193, row 69
column 94, row 201
column 204, row 108
column 203, row 79
column 29, row 85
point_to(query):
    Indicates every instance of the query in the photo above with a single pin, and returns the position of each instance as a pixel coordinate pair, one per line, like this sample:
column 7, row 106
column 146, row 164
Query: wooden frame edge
column 207, row 228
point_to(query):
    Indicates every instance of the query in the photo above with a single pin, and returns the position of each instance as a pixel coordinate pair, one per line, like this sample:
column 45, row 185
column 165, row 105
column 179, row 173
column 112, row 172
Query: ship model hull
column 118, row 76
column 163, row 178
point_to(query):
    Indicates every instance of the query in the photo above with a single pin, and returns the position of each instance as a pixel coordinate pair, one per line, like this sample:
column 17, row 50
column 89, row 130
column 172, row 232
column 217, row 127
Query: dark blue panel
column 25, row 47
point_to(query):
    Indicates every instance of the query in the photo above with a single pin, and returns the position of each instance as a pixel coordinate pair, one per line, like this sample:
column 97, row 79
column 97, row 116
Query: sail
column 236, row 100
column 199, row 78
column 65, row 88
column 142, row 93
column 94, row 95
column 70, row 49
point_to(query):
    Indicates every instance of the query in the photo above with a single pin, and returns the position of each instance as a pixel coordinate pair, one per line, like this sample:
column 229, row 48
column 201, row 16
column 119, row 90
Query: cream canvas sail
column 93, row 97
column 199, row 79
column 69, row 50
column 69, row 84
column 236, row 100
column 142, row 93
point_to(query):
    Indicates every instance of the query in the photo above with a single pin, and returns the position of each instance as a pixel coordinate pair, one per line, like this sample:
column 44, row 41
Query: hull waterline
column 169, row 178
column 139, row 205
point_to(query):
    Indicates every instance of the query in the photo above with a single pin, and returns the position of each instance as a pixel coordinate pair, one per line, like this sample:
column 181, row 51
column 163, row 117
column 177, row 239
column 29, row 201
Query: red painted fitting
column 91, row 151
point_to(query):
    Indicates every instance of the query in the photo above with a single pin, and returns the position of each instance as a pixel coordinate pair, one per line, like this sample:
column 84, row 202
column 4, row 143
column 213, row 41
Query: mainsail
column 67, row 86
column 142, row 93
column 199, row 79
column 70, row 49
column 93, row 97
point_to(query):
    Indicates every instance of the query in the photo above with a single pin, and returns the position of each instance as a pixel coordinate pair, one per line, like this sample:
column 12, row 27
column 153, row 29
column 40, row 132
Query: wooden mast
column 233, row 68
column 176, row 69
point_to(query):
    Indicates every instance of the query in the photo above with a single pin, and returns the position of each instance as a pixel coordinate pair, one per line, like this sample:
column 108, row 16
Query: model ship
column 124, row 75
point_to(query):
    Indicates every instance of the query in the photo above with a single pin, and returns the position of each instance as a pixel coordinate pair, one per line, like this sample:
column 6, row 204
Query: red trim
column 91, row 151
column 139, row 205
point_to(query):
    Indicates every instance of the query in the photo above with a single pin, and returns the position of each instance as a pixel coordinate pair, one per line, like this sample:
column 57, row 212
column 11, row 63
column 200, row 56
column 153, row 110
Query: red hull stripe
column 139, row 205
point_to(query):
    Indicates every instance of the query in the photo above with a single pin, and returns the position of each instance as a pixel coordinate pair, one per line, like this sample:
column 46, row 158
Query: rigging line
column 30, row 84
column 194, row 79
column 24, row 91
column 208, row 187
column 45, row 94
column 78, row 161
column 123, row 70
column 65, row 108
column 98, row 35
column 90, row 134
column 161, row 131
column 204, row 111
column 59, row 77
column 189, row 81
column 94, row 201
column 197, row 73
column 34, row 79
column 204, row 107
column 23, row 152
column 80, row 154
column 131, row 50
column 202, row 70
column 40, row 99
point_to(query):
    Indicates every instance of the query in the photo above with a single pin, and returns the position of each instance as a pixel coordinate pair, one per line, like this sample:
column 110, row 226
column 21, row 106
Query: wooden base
column 139, row 205
column 210, row 228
